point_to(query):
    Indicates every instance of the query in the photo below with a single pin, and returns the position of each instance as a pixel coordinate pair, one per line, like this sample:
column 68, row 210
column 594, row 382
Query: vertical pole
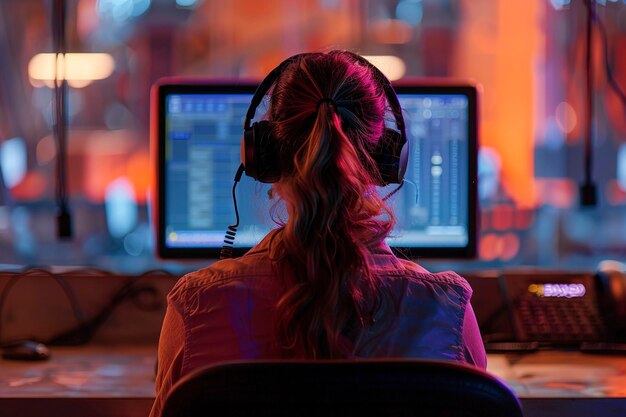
column 588, row 193
column 59, row 12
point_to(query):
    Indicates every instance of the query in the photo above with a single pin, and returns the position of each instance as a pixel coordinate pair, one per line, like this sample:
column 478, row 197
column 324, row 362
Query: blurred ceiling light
column 621, row 167
column 186, row 3
column 489, row 171
column 120, row 11
column 510, row 246
column 13, row 161
column 393, row 67
column 46, row 150
column 560, row 4
column 80, row 69
column 565, row 117
column 120, row 207
column 411, row 11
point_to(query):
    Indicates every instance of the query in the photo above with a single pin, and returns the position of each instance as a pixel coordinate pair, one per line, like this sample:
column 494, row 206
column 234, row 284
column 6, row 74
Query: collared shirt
column 226, row 312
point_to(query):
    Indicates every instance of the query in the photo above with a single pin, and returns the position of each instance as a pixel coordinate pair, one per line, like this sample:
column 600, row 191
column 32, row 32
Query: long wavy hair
column 327, row 111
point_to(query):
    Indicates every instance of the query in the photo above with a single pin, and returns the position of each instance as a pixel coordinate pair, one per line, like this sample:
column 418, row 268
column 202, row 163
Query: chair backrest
column 341, row 388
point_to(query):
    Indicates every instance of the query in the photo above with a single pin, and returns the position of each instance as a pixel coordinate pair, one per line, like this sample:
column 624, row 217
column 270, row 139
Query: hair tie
column 325, row 100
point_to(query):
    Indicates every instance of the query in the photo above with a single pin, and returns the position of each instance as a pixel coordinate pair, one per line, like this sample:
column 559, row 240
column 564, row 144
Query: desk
column 103, row 381
column 568, row 384
column 94, row 381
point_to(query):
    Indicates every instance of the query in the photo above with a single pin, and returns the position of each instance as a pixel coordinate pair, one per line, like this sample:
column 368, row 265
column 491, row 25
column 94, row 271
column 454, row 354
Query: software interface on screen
column 201, row 154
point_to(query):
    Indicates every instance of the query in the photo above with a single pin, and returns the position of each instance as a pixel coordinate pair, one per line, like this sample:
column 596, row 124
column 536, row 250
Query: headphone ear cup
column 260, row 156
column 391, row 157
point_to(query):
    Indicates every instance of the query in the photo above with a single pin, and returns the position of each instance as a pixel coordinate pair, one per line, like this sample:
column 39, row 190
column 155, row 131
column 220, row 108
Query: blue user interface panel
column 199, row 133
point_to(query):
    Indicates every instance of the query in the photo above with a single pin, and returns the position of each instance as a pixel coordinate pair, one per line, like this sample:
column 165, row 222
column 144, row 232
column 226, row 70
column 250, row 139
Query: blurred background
column 529, row 57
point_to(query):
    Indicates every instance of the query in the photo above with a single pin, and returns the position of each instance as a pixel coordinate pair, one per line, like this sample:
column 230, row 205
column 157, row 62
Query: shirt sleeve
column 170, row 356
column 472, row 340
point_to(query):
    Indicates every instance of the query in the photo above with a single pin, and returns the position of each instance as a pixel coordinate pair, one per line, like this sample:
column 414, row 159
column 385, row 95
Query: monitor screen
column 196, row 133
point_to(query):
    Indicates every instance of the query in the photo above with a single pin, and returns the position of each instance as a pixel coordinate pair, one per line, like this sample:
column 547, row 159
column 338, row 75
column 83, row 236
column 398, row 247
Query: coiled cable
column 229, row 237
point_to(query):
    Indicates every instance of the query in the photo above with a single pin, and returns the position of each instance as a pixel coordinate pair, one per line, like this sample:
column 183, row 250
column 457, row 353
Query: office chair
column 380, row 387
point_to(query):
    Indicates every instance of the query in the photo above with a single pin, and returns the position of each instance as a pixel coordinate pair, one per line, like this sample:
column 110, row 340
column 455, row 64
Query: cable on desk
column 85, row 330
column 67, row 290
column 144, row 297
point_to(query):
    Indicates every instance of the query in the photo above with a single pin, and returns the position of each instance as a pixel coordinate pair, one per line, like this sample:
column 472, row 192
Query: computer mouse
column 26, row 350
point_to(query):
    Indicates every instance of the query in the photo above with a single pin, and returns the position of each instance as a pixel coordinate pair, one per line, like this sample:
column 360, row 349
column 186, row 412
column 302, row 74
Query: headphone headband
column 265, row 86
column 261, row 162
column 390, row 93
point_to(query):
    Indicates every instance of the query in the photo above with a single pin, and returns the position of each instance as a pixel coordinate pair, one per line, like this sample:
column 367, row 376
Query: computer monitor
column 196, row 133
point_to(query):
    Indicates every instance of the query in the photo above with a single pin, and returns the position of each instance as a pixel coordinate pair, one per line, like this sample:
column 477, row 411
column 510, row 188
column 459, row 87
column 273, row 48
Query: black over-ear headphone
column 260, row 154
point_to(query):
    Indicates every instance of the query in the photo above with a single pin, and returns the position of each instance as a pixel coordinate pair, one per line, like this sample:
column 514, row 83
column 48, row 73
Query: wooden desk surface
column 568, row 384
column 554, row 374
column 94, row 381
column 104, row 381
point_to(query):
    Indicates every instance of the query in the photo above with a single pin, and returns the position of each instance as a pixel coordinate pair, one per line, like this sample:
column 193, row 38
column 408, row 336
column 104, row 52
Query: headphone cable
column 229, row 237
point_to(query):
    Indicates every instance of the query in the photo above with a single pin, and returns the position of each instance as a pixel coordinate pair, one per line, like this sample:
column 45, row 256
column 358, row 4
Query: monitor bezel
column 163, row 88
